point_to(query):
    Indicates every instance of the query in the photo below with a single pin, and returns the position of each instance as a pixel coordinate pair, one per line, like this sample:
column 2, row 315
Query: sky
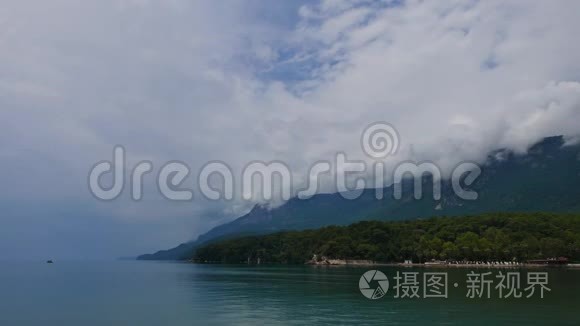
column 240, row 81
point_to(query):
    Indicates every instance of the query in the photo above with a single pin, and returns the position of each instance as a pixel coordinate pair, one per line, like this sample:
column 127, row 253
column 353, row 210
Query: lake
column 158, row 293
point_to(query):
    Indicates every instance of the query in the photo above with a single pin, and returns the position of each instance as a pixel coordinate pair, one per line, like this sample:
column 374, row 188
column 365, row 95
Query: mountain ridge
column 545, row 178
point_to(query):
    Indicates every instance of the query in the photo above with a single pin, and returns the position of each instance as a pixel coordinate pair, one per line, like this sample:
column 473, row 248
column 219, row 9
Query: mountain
column 546, row 178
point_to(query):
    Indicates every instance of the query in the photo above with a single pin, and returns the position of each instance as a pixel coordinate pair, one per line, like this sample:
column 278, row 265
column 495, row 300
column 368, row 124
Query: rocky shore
column 323, row 260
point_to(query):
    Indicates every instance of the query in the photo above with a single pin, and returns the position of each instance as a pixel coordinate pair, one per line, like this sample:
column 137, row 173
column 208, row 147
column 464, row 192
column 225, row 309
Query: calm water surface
column 153, row 293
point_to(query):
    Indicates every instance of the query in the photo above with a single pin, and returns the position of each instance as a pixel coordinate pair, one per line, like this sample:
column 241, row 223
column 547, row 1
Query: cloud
column 240, row 81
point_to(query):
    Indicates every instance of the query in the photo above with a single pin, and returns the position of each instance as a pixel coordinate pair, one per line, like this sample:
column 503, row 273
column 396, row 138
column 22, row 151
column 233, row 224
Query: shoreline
column 569, row 266
column 326, row 261
column 359, row 263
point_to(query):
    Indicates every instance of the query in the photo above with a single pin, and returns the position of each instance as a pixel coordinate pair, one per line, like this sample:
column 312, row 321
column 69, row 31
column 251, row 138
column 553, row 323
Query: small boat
column 49, row 262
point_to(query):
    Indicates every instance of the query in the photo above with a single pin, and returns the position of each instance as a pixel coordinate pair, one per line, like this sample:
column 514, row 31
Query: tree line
column 489, row 237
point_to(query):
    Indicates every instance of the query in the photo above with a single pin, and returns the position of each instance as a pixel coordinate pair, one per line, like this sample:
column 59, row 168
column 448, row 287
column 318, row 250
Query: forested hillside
column 486, row 237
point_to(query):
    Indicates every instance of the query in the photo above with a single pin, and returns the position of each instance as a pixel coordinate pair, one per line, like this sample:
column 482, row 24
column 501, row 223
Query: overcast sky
column 239, row 81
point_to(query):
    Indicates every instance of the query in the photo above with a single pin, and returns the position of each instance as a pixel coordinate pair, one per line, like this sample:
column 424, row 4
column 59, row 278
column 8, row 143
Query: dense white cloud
column 239, row 81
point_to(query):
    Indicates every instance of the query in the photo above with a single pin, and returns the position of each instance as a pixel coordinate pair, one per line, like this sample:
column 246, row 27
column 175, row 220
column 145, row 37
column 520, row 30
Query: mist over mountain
column 544, row 178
